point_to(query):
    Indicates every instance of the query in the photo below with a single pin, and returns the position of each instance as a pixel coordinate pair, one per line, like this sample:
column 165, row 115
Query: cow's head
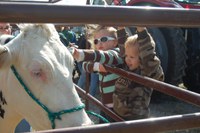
column 45, row 65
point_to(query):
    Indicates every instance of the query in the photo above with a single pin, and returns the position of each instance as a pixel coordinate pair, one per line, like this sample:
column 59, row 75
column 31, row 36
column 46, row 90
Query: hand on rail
column 140, row 29
column 74, row 51
column 102, row 68
column 99, row 68
column 120, row 28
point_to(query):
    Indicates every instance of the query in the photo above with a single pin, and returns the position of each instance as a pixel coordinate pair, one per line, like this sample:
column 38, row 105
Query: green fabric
column 71, row 37
column 63, row 39
column 106, row 79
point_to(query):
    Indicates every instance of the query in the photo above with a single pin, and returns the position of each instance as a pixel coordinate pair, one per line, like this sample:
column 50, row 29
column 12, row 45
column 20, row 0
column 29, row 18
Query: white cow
column 45, row 67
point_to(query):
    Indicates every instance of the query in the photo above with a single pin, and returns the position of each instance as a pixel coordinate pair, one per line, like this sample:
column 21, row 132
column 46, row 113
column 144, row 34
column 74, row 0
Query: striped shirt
column 106, row 80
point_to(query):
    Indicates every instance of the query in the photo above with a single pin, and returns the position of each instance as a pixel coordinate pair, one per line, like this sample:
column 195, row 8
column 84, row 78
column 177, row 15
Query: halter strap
column 52, row 115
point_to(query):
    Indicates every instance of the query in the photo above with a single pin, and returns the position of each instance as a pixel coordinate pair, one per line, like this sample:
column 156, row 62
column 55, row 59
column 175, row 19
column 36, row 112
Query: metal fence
column 106, row 15
column 118, row 16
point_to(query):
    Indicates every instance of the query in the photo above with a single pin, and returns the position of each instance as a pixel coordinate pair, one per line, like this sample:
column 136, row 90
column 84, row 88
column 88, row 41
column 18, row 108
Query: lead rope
column 99, row 116
column 52, row 115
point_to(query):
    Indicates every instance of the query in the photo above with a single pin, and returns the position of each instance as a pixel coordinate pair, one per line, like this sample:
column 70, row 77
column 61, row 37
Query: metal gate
column 21, row 12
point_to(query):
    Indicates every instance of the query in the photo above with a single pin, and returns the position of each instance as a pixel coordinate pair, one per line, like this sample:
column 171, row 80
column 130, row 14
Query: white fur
column 46, row 67
column 4, row 38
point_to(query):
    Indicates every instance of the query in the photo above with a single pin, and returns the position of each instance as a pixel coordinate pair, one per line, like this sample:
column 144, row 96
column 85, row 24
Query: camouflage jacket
column 131, row 100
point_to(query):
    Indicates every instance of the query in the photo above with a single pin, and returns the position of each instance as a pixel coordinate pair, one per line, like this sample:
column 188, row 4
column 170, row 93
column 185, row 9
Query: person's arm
column 149, row 62
column 83, row 54
column 88, row 67
column 122, row 36
column 93, row 67
column 110, row 57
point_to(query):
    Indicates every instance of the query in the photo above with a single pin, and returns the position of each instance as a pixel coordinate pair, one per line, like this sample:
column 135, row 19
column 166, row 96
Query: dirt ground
column 168, row 106
column 172, row 106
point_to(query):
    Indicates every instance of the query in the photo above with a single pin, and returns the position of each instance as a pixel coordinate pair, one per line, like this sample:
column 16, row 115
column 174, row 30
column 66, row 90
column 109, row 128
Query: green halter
column 52, row 115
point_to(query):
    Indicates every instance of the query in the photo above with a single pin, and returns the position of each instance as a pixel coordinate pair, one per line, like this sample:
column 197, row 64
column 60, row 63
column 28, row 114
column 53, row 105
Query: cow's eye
column 37, row 74
column 38, row 71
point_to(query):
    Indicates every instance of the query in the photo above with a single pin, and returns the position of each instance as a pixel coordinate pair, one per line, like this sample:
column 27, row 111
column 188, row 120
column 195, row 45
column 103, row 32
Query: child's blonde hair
column 131, row 41
column 111, row 30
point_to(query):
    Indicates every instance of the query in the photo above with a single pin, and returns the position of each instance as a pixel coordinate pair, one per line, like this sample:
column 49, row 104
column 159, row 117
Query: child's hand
column 140, row 29
column 76, row 54
column 120, row 28
column 101, row 68
column 74, row 51
column 72, row 45
column 71, row 50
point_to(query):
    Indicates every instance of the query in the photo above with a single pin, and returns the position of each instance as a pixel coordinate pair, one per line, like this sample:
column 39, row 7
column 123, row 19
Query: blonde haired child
column 131, row 100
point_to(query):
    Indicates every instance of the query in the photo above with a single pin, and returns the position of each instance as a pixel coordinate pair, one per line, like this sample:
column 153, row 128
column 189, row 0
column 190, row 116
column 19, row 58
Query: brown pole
column 88, row 80
column 153, row 125
column 105, row 15
column 98, row 104
column 87, row 89
column 175, row 91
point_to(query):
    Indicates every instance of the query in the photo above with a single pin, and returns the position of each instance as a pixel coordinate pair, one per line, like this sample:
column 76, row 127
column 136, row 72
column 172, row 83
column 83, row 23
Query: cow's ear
column 4, row 57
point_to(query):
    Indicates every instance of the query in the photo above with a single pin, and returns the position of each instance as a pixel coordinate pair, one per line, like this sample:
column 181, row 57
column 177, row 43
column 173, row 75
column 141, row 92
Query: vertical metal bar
column 88, row 80
column 98, row 104
column 87, row 89
column 88, row 2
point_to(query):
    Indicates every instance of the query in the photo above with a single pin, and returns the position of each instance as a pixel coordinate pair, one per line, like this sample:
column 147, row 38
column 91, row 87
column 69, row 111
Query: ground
column 173, row 106
column 169, row 106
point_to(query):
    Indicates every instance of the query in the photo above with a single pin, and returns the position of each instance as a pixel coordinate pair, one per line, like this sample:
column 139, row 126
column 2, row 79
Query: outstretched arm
column 110, row 57
column 150, row 63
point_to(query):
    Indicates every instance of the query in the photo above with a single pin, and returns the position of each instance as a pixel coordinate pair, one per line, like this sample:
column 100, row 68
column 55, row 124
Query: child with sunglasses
column 106, row 51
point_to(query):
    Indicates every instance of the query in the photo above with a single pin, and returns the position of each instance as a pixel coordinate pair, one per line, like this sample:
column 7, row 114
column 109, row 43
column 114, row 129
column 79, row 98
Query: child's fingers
column 140, row 29
column 101, row 68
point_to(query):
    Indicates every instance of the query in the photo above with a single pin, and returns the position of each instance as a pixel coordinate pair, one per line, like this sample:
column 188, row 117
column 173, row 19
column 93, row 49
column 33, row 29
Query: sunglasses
column 103, row 39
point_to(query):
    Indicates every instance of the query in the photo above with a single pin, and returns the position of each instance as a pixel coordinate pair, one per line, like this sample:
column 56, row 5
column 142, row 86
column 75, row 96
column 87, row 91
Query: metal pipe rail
column 105, row 15
column 152, row 125
column 121, row 16
column 184, row 95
